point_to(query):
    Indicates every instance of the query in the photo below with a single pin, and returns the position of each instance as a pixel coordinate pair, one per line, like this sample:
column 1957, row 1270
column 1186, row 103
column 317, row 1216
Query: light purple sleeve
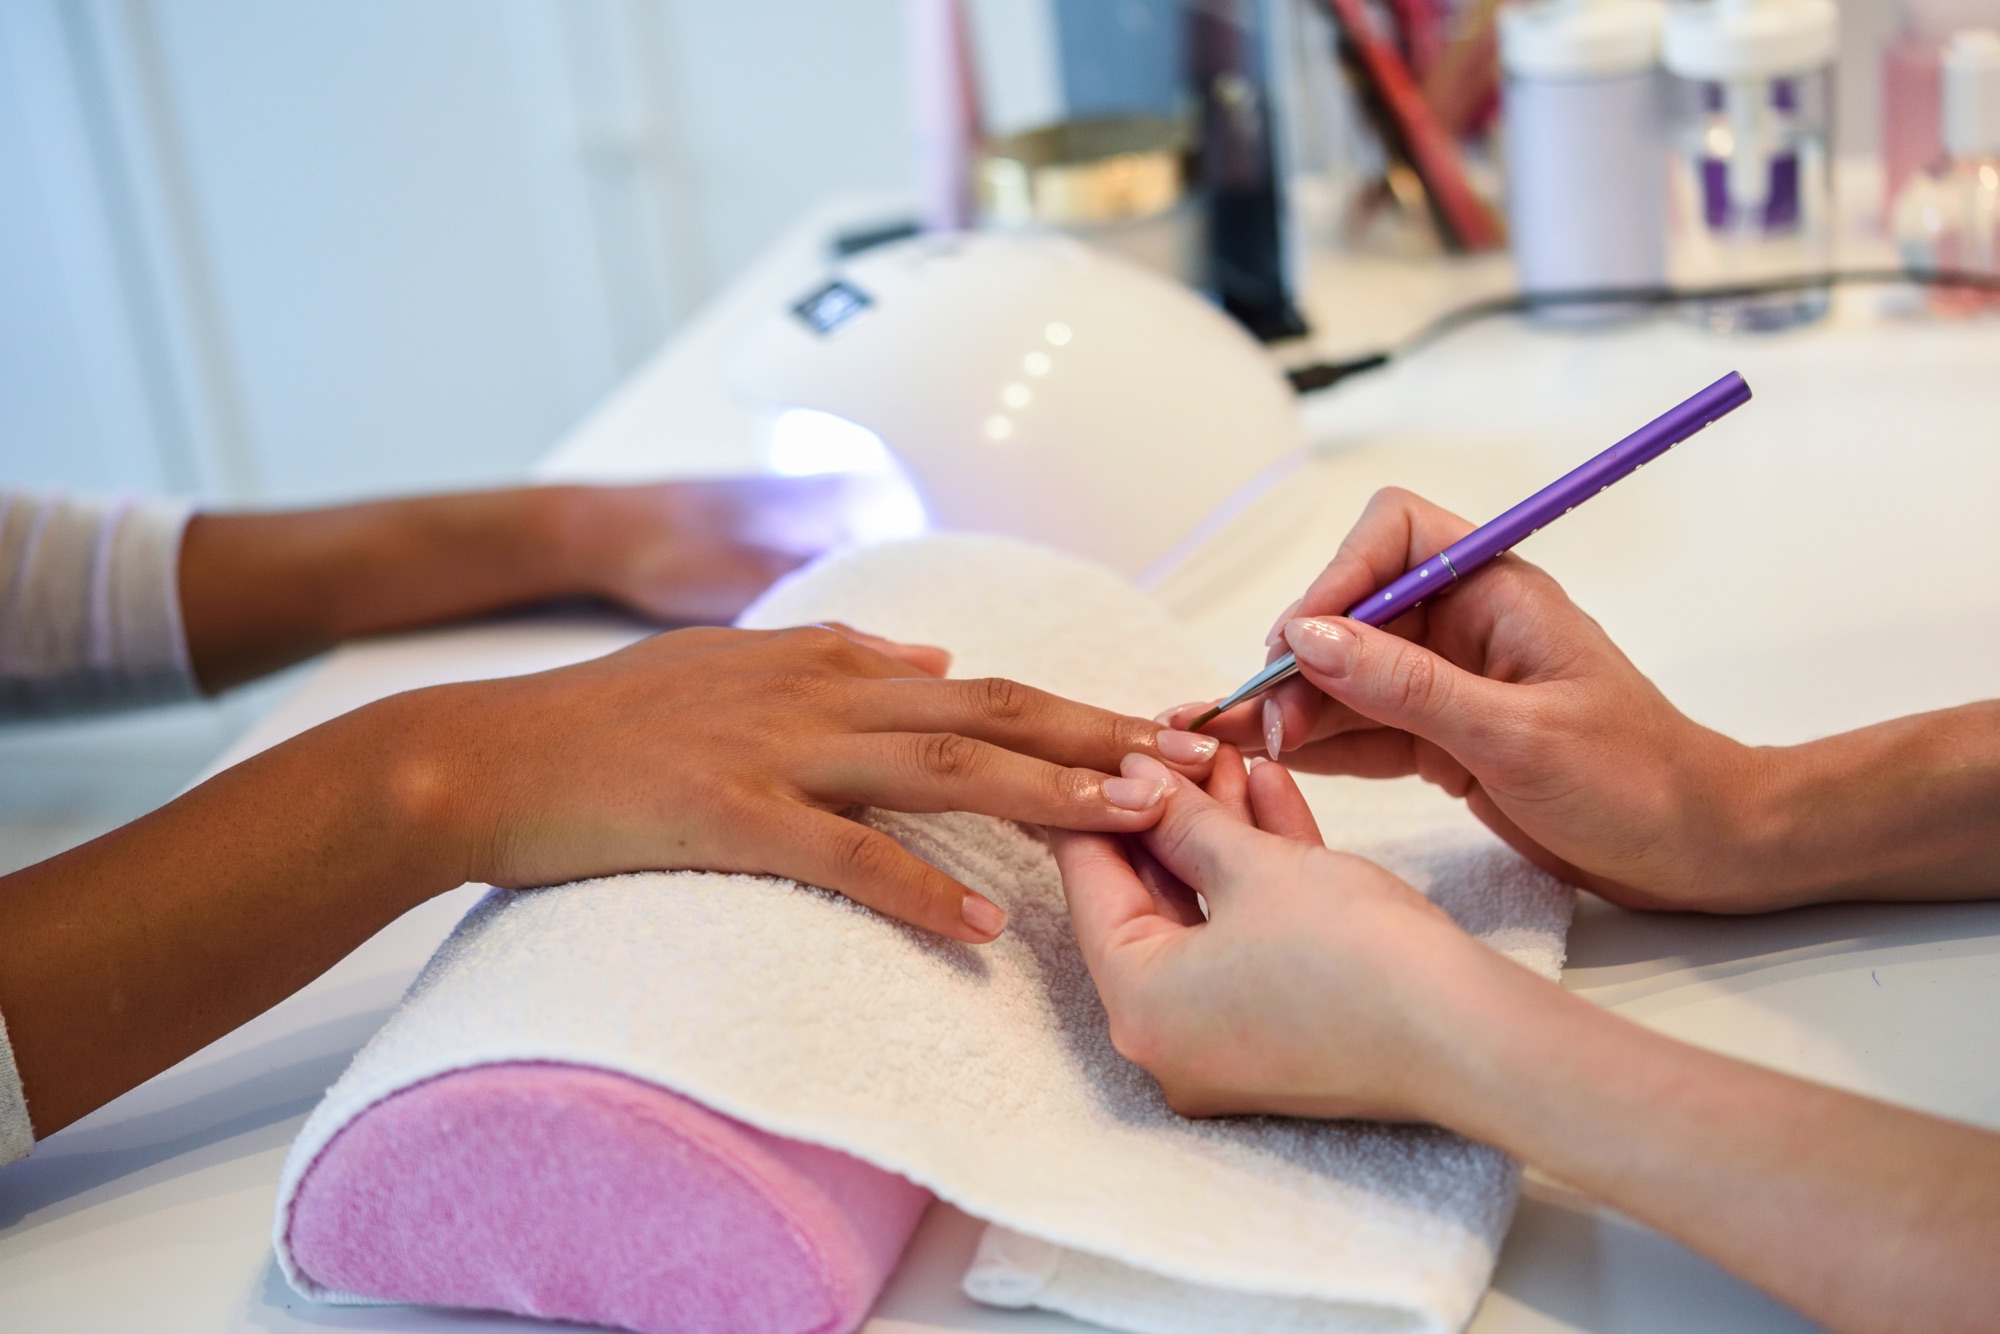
column 90, row 619
column 90, row 615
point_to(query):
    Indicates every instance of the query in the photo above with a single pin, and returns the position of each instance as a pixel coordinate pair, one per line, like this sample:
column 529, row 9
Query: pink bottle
column 1947, row 215
column 1911, row 103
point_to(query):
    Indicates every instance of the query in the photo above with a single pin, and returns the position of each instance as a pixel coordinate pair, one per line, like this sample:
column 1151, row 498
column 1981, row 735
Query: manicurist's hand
column 733, row 750
column 1503, row 692
column 1320, row 985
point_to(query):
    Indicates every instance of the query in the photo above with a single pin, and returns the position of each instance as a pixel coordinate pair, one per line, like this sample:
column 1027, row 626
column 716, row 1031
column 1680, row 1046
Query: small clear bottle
column 1947, row 216
column 1752, row 182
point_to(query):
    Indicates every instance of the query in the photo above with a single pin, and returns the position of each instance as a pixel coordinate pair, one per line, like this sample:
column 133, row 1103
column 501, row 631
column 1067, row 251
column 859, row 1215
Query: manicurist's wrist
column 1775, row 856
column 1732, row 810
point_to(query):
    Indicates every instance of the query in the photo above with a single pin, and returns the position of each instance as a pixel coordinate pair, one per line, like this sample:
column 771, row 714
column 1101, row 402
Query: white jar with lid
column 1586, row 147
column 1752, row 182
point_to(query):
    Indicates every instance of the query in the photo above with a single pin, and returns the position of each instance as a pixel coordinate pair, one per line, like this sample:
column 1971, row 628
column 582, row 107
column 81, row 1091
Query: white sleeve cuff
column 90, row 614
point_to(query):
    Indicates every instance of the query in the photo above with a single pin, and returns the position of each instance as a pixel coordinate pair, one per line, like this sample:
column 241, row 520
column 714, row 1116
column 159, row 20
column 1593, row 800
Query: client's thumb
column 1388, row 679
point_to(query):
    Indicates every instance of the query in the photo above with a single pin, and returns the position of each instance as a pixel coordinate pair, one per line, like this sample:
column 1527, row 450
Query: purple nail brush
column 1462, row 557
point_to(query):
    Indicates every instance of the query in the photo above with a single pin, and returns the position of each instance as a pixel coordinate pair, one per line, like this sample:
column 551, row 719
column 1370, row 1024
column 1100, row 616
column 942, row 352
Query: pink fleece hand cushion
column 570, row 1192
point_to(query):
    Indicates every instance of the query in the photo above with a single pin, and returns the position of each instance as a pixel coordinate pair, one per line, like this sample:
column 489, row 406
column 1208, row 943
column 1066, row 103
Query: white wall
column 282, row 253
column 270, row 253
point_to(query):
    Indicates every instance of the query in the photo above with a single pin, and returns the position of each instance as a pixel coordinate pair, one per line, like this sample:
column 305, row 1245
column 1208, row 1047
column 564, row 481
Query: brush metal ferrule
column 1278, row 669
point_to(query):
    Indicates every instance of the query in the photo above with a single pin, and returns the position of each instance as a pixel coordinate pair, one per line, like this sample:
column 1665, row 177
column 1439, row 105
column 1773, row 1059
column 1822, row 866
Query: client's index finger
column 1029, row 721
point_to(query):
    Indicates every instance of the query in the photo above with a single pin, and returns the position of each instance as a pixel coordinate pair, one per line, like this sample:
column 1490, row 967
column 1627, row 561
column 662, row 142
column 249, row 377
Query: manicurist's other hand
column 1505, row 693
column 1320, row 985
column 735, row 750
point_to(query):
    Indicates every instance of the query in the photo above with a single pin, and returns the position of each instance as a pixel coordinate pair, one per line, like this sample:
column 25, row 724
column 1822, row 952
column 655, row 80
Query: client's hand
column 719, row 749
column 1503, row 692
column 259, row 591
column 1321, row 985
column 732, row 750
column 698, row 551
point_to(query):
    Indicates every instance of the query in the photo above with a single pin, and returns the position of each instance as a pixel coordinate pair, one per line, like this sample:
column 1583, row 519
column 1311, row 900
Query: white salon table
column 1826, row 557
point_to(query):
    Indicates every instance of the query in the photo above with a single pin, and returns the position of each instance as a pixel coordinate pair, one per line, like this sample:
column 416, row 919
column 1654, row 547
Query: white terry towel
column 986, row 1074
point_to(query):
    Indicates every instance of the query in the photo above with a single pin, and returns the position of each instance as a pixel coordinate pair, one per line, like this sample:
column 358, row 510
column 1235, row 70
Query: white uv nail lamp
column 1031, row 386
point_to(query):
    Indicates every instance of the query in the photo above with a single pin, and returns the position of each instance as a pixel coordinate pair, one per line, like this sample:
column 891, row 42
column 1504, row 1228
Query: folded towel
column 984, row 1074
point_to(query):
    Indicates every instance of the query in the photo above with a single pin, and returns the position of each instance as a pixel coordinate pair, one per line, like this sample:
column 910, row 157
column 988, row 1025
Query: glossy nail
column 982, row 915
column 1134, row 794
column 1277, row 632
column 1325, row 646
column 1186, row 747
column 1165, row 717
column 1274, row 728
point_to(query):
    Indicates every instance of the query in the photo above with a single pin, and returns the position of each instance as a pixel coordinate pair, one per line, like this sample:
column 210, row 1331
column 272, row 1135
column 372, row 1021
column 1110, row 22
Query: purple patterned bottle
column 1752, row 189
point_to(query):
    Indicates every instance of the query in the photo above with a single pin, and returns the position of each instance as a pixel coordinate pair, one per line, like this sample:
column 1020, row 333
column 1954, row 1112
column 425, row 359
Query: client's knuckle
column 798, row 686
column 862, row 855
column 1001, row 699
column 945, row 756
column 822, row 645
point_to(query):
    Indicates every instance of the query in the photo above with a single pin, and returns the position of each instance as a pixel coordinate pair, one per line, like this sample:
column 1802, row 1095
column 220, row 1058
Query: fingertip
column 1274, row 727
column 1190, row 750
column 1275, row 638
column 926, row 658
column 1134, row 792
column 1138, row 765
column 1277, row 806
column 985, row 918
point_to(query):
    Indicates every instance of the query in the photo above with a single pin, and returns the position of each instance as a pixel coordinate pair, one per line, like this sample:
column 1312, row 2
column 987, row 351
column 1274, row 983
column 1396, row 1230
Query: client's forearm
column 1908, row 809
column 123, row 956
column 1862, row 1215
column 260, row 591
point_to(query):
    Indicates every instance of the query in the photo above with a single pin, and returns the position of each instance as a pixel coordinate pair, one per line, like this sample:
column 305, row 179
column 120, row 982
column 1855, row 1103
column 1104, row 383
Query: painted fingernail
column 1253, row 761
column 1165, row 717
column 1277, row 634
column 1274, row 729
column 1324, row 646
column 1134, row 794
column 1186, row 747
column 982, row 915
